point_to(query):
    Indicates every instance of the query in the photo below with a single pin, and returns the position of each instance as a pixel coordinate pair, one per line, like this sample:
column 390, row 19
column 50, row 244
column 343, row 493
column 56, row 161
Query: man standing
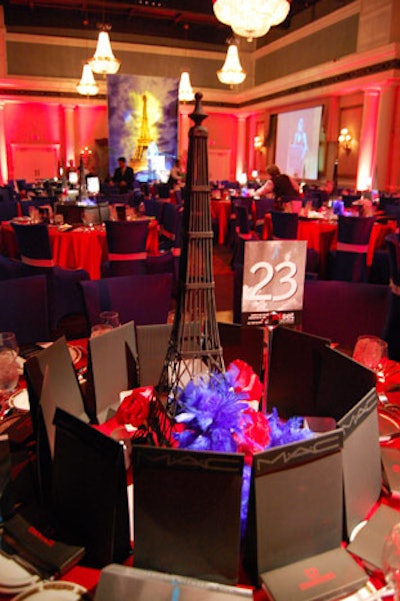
column 124, row 176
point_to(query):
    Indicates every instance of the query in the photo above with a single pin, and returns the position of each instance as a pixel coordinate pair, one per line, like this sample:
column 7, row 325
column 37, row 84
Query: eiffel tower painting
column 139, row 160
column 194, row 345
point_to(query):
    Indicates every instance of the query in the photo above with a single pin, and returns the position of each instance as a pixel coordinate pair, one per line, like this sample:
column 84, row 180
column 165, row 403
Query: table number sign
column 273, row 281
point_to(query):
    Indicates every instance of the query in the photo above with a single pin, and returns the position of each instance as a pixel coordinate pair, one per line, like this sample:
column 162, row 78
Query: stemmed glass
column 9, row 371
column 391, row 561
column 372, row 352
column 110, row 318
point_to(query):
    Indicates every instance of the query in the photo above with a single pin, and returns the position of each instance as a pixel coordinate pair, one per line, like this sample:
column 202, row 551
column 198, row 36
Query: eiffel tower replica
column 139, row 161
column 194, row 346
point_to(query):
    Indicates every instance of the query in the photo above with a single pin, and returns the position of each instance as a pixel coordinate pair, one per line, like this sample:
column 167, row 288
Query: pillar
column 69, row 128
column 385, row 136
column 3, row 148
column 366, row 156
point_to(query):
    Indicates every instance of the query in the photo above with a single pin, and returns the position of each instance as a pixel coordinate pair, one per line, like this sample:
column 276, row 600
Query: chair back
column 126, row 242
column 392, row 330
column 284, row 225
column 171, row 228
column 154, row 208
column 33, row 243
column 393, row 246
column 350, row 259
column 24, row 308
column 8, row 210
column 354, row 233
column 144, row 299
column 342, row 311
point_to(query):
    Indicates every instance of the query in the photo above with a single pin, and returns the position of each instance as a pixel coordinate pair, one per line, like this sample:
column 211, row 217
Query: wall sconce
column 345, row 139
column 258, row 143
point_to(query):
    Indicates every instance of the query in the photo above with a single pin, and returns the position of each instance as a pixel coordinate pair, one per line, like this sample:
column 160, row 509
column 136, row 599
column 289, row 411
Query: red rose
column 256, row 430
column 246, row 380
column 135, row 407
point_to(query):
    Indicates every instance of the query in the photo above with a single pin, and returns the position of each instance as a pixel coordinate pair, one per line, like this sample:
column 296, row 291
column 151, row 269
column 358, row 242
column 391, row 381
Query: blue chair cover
column 285, row 225
column 392, row 330
column 24, row 308
column 342, row 311
column 350, row 258
column 8, row 210
column 65, row 295
column 126, row 242
column 144, row 299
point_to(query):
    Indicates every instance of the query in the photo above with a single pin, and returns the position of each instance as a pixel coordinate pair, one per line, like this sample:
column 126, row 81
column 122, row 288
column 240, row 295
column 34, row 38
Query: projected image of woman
column 298, row 150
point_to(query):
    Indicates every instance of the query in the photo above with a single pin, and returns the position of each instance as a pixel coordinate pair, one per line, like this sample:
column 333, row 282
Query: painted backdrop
column 143, row 124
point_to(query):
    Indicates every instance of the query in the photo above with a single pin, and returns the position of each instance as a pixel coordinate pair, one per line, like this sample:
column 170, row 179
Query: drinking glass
column 391, row 561
column 99, row 329
column 110, row 318
column 372, row 352
column 87, row 218
column 9, row 371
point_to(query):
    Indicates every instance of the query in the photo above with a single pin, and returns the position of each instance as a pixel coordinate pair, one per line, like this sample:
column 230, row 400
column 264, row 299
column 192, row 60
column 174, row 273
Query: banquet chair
column 34, row 247
column 126, row 243
column 284, row 225
column 263, row 205
column 342, row 311
column 243, row 233
column 8, row 210
column 153, row 208
column 171, row 227
column 144, row 299
column 392, row 329
column 349, row 261
column 24, row 308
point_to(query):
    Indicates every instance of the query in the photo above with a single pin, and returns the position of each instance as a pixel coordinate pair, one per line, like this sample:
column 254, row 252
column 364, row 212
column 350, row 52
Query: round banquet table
column 77, row 248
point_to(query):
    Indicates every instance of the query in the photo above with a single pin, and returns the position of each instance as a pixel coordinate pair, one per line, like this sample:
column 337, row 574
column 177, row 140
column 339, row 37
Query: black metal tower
column 194, row 344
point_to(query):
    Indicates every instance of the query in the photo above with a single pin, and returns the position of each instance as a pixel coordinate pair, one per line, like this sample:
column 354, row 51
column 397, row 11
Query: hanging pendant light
column 231, row 72
column 185, row 92
column 87, row 85
column 251, row 18
column 104, row 61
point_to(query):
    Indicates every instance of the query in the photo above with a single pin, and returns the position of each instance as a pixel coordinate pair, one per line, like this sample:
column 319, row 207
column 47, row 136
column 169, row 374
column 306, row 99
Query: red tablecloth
column 321, row 235
column 78, row 248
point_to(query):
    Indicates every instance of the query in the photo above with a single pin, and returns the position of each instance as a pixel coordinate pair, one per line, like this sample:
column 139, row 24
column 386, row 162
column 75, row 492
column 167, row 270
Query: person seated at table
column 175, row 176
column 280, row 184
column 124, row 176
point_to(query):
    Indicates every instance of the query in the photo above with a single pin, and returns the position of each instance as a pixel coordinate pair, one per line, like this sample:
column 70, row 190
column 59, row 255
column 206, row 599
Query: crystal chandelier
column 104, row 61
column 185, row 92
column 251, row 18
column 231, row 72
column 87, row 85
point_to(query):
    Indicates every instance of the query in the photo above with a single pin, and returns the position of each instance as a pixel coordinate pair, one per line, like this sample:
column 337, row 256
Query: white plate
column 363, row 594
column 58, row 590
column 14, row 577
column 20, row 400
column 75, row 353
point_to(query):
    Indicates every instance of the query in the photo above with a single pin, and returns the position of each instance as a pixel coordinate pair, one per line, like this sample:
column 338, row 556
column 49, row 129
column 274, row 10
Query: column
column 183, row 132
column 366, row 155
column 241, row 146
column 3, row 147
column 3, row 47
column 385, row 135
column 69, row 125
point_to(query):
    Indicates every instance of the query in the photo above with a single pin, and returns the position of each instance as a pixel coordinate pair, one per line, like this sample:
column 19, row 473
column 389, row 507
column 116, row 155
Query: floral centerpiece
column 215, row 412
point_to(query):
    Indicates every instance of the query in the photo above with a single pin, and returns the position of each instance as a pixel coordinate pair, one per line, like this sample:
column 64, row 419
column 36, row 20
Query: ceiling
column 186, row 21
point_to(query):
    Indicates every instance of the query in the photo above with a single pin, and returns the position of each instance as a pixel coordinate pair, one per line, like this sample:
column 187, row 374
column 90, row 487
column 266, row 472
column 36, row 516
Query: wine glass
column 371, row 352
column 99, row 329
column 391, row 560
column 110, row 318
column 9, row 370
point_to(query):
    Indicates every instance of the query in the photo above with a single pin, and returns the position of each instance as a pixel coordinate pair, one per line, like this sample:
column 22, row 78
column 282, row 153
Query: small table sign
column 273, row 282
